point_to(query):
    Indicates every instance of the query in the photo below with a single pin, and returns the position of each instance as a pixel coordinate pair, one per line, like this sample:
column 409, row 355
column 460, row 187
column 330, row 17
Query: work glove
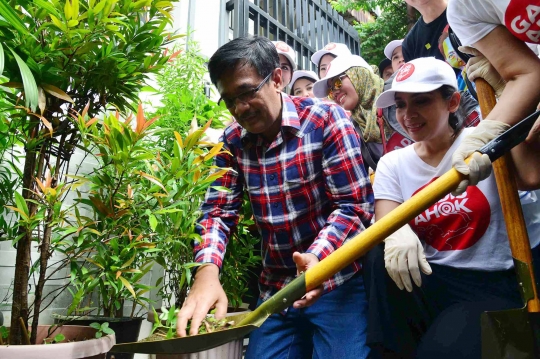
column 479, row 167
column 480, row 67
column 404, row 258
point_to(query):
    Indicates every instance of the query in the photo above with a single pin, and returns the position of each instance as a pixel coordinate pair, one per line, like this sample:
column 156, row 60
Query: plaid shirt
column 308, row 189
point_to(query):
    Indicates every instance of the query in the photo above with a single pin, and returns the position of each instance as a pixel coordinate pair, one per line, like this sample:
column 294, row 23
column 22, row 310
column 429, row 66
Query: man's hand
column 404, row 258
column 206, row 293
column 303, row 262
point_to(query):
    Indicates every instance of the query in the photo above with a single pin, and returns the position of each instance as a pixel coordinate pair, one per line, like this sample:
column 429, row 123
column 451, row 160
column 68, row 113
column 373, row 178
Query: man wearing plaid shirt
column 299, row 160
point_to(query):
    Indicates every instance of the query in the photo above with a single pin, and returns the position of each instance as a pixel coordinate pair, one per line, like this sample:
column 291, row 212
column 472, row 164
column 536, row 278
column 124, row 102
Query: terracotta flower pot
column 75, row 346
column 231, row 350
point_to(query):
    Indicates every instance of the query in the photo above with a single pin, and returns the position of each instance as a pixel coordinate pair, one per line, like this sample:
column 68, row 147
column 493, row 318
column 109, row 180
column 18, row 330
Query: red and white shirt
column 472, row 20
column 467, row 231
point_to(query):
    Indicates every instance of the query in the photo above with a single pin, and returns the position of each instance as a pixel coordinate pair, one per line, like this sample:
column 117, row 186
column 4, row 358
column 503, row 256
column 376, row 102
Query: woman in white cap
column 351, row 82
column 393, row 52
column 460, row 242
column 286, row 61
column 302, row 83
column 327, row 54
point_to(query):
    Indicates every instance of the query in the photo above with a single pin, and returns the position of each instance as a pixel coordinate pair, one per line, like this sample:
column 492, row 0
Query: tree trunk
column 19, row 308
column 43, row 260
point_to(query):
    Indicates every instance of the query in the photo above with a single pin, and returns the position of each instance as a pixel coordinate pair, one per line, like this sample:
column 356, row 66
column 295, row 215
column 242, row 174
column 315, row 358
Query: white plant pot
column 90, row 349
column 231, row 350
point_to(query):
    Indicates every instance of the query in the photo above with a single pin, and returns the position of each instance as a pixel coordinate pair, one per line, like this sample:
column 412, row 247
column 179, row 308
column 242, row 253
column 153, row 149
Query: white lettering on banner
column 520, row 25
column 446, row 206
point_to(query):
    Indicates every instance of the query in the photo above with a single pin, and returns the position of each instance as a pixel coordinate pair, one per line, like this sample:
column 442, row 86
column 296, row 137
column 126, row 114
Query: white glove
column 479, row 167
column 404, row 258
column 480, row 67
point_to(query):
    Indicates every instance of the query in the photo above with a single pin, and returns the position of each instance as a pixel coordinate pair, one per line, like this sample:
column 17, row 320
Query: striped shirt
column 308, row 189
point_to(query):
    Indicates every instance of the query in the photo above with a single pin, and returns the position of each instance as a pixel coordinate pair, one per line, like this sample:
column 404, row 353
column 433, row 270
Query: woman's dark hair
column 258, row 52
column 456, row 119
column 300, row 78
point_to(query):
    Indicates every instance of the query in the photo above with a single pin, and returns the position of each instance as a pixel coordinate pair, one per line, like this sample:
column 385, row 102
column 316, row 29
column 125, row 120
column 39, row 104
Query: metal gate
column 306, row 25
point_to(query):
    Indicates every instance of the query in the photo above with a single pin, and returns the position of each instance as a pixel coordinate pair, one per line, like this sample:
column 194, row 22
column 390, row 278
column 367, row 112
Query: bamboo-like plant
column 58, row 56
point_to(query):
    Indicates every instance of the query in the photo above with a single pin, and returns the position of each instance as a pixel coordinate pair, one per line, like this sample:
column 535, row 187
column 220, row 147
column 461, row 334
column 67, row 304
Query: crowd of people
column 303, row 145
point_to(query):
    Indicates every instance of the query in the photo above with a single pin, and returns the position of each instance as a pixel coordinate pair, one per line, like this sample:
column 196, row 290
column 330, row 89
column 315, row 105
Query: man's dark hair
column 258, row 52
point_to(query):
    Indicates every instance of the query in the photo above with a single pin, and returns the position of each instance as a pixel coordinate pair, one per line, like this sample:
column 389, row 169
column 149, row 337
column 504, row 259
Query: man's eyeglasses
column 244, row 97
column 335, row 84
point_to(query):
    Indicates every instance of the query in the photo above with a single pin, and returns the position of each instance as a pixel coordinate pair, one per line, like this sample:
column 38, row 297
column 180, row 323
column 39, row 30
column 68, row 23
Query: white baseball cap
column 287, row 51
column 334, row 48
column 303, row 73
column 336, row 67
column 424, row 74
column 389, row 49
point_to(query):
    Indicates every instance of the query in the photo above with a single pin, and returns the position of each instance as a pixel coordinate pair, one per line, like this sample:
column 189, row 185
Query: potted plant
column 57, row 57
column 118, row 248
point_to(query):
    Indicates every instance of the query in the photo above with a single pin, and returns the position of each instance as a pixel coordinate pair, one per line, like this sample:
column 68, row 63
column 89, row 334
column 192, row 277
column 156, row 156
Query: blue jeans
column 333, row 327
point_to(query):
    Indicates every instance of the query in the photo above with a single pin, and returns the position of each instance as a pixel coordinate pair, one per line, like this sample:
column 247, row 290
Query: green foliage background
column 391, row 25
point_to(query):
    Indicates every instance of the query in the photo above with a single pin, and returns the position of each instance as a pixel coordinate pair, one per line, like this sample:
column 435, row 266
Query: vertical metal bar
column 299, row 24
column 283, row 8
column 318, row 28
column 290, row 14
column 223, row 23
column 313, row 36
column 246, row 18
column 274, row 9
column 237, row 16
column 256, row 24
column 305, row 21
column 191, row 21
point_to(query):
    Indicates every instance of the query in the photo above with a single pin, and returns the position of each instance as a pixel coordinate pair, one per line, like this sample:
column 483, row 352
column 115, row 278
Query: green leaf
column 47, row 6
column 29, row 83
column 59, row 338
column 74, row 9
column 99, row 7
column 21, row 203
column 153, row 221
column 56, row 92
column 95, row 325
column 1, row 59
column 128, row 286
column 7, row 12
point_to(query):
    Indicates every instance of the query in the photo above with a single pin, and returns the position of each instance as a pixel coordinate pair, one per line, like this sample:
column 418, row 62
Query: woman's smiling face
column 424, row 116
column 346, row 95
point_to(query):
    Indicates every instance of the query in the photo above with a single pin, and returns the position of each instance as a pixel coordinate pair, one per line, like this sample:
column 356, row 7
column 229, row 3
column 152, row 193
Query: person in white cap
column 351, row 83
column 286, row 61
column 393, row 52
column 302, row 83
column 460, row 242
column 328, row 53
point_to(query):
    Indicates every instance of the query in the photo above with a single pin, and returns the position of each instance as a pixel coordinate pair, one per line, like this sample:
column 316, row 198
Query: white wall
column 204, row 22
